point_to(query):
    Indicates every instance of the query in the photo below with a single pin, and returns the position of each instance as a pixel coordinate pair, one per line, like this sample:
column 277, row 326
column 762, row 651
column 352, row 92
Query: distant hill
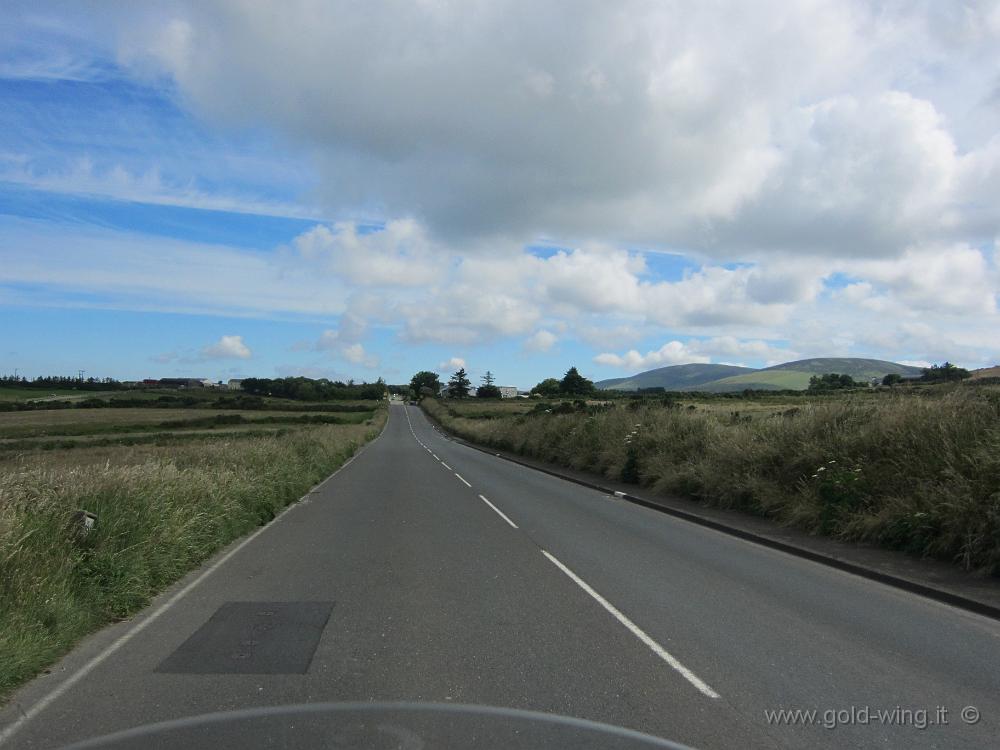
column 986, row 372
column 795, row 375
column 789, row 375
column 673, row 378
column 856, row 367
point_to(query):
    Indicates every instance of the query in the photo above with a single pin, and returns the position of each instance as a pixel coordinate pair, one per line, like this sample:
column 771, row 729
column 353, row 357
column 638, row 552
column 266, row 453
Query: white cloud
column 671, row 353
column 724, row 348
column 82, row 176
column 398, row 255
column 227, row 347
column 956, row 279
column 455, row 363
column 540, row 341
column 653, row 124
column 356, row 354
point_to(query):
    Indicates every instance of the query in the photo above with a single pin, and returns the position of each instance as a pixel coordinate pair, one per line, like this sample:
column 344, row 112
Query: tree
column 892, row 379
column 425, row 379
column 574, row 384
column 548, row 388
column 458, row 386
column 831, row 381
column 944, row 373
column 487, row 389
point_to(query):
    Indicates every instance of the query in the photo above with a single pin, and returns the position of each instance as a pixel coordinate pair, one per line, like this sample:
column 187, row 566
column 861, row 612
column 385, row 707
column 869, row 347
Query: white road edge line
column 638, row 632
column 462, row 479
column 445, row 465
column 498, row 511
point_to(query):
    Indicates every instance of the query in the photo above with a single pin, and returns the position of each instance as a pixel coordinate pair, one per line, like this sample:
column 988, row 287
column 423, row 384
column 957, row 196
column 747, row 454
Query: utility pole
column 80, row 377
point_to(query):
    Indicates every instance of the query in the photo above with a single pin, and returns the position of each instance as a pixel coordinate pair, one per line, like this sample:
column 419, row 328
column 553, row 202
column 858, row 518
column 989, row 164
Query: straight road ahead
column 433, row 572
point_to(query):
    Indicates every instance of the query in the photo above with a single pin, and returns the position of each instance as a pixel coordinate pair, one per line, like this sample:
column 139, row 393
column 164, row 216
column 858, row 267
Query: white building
column 508, row 391
column 235, row 385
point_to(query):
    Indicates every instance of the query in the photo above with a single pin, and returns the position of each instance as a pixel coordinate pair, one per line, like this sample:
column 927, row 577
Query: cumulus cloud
column 650, row 124
column 227, row 347
column 671, row 353
column 540, row 341
column 720, row 348
column 455, row 363
column 396, row 255
column 356, row 354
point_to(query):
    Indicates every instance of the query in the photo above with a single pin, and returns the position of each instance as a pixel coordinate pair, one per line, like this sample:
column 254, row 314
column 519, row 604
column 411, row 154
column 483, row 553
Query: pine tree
column 458, row 386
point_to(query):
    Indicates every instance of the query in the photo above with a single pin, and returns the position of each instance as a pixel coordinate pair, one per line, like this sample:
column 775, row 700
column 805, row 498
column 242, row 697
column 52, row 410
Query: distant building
column 508, row 391
column 235, row 384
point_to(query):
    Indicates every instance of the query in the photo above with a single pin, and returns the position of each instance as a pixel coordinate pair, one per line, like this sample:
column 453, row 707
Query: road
column 430, row 571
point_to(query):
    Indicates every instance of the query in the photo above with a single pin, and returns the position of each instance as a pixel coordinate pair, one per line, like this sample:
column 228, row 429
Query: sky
column 355, row 190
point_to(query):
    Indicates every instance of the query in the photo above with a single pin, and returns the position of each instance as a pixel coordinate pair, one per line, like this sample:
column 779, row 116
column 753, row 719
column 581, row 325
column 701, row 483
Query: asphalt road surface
column 428, row 571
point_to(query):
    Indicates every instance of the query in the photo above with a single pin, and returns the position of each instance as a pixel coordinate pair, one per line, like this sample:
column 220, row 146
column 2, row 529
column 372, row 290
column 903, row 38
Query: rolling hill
column 789, row 375
column 674, row 377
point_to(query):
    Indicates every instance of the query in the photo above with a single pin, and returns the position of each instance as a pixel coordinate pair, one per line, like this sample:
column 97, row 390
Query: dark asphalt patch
column 253, row 638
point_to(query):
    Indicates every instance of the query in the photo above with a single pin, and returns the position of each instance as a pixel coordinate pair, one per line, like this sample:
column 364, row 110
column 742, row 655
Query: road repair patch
column 253, row 638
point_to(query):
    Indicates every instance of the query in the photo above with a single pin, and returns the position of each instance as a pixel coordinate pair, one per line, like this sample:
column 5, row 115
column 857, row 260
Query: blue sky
column 191, row 190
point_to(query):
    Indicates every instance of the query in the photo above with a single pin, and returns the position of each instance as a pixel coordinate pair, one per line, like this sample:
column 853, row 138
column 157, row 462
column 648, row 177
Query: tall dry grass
column 160, row 512
column 918, row 472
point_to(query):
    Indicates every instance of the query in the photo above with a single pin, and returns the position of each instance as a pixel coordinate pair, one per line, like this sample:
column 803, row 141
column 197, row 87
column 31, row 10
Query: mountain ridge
column 792, row 375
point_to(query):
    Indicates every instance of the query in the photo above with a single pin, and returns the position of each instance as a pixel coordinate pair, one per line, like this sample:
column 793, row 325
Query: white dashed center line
column 498, row 511
column 638, row 632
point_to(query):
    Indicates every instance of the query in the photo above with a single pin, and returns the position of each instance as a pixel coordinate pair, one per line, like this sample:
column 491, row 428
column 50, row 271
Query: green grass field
column 36, row 394
column 77, row 422
column 776, row 379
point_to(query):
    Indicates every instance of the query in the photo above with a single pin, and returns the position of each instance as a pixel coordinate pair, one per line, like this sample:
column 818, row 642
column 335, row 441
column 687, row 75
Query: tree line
column 307, row 389
column 427, row 383
column 63, row 382
column 832, row 381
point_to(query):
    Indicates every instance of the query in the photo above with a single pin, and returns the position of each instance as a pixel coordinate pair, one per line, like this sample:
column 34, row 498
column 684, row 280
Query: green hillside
column 786, row 376
column 674, row 377
column 759, row 380
column 856, row 367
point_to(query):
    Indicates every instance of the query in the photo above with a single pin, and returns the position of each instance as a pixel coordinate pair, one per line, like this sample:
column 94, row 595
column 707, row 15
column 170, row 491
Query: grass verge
column 915, row 472
column 157, row 518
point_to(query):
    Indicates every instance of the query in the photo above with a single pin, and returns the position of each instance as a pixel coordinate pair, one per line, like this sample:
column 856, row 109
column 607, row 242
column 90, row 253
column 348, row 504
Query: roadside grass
column 914, row 471
column 487, row 408
column 160, row 512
